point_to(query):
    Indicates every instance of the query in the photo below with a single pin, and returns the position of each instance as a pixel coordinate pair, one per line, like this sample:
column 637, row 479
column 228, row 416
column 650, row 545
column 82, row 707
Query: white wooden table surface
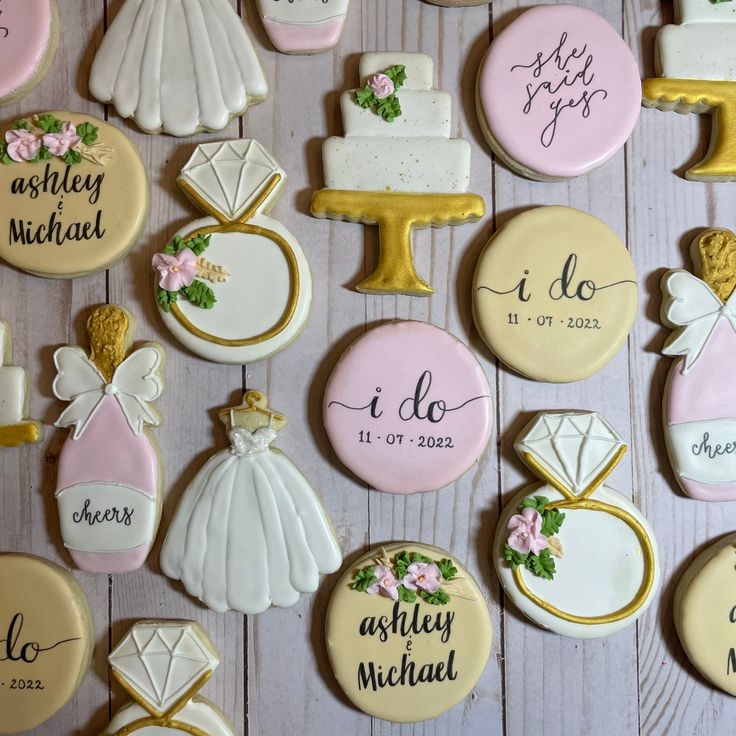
column 274, row 679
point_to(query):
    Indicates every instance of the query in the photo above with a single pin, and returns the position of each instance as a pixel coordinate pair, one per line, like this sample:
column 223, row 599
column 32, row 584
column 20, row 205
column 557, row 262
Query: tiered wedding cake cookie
column 695, row 63
column 397, row 166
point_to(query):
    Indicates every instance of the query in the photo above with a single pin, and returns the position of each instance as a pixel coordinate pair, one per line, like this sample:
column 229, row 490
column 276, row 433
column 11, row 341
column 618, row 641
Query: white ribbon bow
column 692, row 306
column 134, row 383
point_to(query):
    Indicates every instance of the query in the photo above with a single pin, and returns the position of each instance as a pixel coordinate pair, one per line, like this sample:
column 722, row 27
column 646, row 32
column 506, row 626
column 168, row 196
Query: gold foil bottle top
column 717, row 251
column 108, row 327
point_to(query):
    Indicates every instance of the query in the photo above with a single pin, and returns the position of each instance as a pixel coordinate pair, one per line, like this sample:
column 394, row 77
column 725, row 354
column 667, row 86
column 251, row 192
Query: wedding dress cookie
column 178, row 66
column 303, row 26
column 108, row 484
column 408, row 632
column 694, row 62
column 705, row 613
column 700, row 402
column 410, row 430
column 542, row 549
column 249, row 531
column 162, row 665
column 558, row 93
column 46, row 641
column 75, row 193
column 397, row 166
column 261, row 285
column 555, row 294
column 29, row 35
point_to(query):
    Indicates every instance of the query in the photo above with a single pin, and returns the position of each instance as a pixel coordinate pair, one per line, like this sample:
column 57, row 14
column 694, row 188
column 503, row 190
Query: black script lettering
column 54, row 232
column 372, row 405
column 412, row 407
column 713, row 451
column 401, row 624
column 519, row 289
column 11, row 649
column 408, row 673
column 52, row 182
column 564, row 288
column 113, row 514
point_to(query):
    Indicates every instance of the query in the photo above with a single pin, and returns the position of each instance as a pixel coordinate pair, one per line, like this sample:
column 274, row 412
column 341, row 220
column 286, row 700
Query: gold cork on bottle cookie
column 716, row 251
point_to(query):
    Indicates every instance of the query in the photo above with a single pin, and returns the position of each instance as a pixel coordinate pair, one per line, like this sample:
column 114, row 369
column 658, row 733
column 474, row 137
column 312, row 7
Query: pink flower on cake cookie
column 22, row 145
column 386, row 583
column 58, row 144
column 525, row 533
column 175, row 271
column 381, row 85
column 380, row 91
column 423, row 576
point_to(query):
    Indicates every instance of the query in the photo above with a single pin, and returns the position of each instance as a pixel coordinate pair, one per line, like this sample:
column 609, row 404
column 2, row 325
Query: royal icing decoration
column 303, row 26
column 15, row 427
column 178, row 66
column 408, row 632
column 397, row 166
column 411, row 430
column 46, row 641
column 555, row 294
column 249, row 531
column 696, row 74
column 76, row 193
column 233, row 287
column 163, row 665
column 542, row 548
column 699, row 407
column 29, row 35
column 108, row 485
column 705, row 613
column 559, row 92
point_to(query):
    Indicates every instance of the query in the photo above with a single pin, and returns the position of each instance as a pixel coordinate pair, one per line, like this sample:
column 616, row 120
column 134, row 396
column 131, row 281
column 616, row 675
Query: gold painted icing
column 717, row 254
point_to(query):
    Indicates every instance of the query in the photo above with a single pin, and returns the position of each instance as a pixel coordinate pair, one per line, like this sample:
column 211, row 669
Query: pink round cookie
column 408, row 408
column 28, row 39
column 559, row 92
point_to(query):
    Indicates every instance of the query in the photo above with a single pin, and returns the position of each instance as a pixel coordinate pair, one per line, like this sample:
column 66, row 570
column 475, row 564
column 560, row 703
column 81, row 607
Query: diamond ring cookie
column 695, row 74
column 555, row 294
column 408, row 408
column 408, row 632
column 109, row 479
column 249, row 531
column 234, row 287
column 29, row 36
column 76, row 195
column 46, row 641
column 178, row 66
column 304, row 26
column 699, row 408
column 558, row 93
column 543, row 543
column 397, row 166
column 163, row 665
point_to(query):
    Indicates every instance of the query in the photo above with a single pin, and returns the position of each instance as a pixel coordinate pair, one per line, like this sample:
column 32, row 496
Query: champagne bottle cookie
column 109, row 478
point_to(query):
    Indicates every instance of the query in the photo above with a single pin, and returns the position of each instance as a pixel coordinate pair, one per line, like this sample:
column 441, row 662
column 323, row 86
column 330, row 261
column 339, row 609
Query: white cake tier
column 706, row 11
column 419, row 67
column 423, row 113
column 701, row 51
column 421, row 165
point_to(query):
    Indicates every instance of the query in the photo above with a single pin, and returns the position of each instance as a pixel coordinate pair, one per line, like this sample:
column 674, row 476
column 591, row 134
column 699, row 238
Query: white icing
column 419, row 67
column 704, row 451
column 303, row 12
column 135, row 383
column 705, row 11
column 13, row 382
column 198, row 712
column 249, row 531
column 178, row 65
column 691, row 305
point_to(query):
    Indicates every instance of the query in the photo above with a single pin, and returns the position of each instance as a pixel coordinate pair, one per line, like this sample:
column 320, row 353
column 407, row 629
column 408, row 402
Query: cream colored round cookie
column 65, row 220
column 407, row 661
column 46, row 640
column 705, row 613
column 555, row 294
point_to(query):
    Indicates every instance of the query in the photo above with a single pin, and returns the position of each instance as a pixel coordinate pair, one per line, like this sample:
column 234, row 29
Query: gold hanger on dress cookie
column 254, row 413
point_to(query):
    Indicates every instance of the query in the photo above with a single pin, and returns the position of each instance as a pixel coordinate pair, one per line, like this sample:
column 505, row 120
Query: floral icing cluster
column 177, row 267
column 46, row 138
column 408, row 576
column 531, row 541
column 380, row 91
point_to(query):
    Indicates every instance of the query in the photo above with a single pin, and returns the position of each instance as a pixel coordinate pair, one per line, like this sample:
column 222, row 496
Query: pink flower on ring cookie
column 386, row 583
column 424, row 576
column 22, row 145
column 381, row 85
column 177, row 271
column 58, row 144
column 525, row 533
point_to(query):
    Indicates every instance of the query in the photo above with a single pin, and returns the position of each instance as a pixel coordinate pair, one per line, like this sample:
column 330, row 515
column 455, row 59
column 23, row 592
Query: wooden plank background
column 274, row 679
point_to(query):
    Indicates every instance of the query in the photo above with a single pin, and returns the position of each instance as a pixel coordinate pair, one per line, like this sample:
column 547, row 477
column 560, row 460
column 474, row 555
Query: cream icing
column 303, row 26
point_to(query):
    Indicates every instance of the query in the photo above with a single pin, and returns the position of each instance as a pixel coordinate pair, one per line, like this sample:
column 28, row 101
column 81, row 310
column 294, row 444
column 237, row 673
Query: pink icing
column 301, row 39
column 22, row 145
column 382, row 86
column 25, row 34
column 177, row 271
column 599, row 90
column 59, row 143
column 414, row 367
